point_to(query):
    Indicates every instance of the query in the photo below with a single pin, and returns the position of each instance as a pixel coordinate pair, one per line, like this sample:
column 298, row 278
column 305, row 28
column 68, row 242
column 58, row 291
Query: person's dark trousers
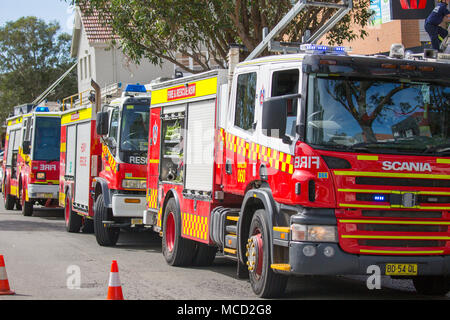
column 435, row 31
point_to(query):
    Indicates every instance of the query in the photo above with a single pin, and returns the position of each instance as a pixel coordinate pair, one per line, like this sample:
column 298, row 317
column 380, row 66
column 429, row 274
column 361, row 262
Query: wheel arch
column 171, row 194
column 255, row 199
column 101, row 187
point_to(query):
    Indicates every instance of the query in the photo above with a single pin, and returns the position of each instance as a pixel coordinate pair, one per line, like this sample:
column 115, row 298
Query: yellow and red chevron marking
column 255, row 152
column 152, row 198
column 195, row 226
column 111, row 161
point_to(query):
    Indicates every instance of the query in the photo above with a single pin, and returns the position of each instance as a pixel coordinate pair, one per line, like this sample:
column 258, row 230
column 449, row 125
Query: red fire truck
column 103, row 164
column 31, row 159
column 316, row 163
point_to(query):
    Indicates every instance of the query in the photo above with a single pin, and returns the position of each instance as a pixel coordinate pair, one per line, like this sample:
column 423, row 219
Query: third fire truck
column 316, row 163
column 103, row 164
column 31, row 159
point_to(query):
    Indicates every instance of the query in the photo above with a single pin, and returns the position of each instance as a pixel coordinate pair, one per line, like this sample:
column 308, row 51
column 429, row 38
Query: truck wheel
column 10, row 200
column 177, row 251
column 265, row 283
column 432, row 285
column 204, row 255
column 106, row 237
column 27, row 206
column 73, row 220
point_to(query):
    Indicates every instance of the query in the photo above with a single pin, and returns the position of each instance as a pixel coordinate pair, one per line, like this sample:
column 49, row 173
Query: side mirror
column 102, row 123
column 26, row 147
column 274, row 115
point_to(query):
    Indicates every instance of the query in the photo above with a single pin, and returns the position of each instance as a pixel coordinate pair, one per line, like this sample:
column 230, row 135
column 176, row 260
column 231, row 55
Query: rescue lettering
column 138, row 160
column 182, row 92
column 406, row 166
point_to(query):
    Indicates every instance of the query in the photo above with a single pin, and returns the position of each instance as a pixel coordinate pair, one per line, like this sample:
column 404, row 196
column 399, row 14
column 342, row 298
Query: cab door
column 240, row 131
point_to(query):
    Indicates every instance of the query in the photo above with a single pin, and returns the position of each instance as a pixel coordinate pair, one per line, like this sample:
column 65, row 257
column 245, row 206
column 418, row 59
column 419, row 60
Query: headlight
column 313, row 233
column 134, row 184
column 40, row 176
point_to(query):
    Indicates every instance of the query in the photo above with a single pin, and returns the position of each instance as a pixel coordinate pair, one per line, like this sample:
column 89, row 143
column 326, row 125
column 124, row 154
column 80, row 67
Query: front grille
column 402, row 214
column 402, row 243
column 401, row 228
column 403, row 182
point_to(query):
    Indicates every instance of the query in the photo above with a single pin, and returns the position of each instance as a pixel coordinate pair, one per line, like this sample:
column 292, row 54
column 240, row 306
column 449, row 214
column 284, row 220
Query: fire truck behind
column 31, row 159
column 103, row 163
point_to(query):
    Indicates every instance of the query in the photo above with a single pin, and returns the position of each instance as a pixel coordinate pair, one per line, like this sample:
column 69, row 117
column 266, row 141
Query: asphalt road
column 41, row 258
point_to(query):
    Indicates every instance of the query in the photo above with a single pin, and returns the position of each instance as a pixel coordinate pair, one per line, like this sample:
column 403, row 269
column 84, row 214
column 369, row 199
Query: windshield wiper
column 440, row 148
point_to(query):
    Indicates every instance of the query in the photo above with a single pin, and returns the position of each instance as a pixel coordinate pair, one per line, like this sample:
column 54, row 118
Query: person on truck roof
column 433, row 21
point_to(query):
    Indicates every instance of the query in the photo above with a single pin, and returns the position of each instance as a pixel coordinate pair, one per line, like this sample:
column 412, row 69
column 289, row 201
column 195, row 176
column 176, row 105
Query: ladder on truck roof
column 342, row 9
column 82, row 98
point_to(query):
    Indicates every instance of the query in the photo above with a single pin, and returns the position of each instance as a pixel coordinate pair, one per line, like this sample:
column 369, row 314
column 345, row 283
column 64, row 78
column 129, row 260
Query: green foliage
column 32, row 56
column 204, row 29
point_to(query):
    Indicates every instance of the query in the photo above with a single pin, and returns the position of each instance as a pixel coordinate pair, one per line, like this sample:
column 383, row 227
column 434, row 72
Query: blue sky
column 48, row 10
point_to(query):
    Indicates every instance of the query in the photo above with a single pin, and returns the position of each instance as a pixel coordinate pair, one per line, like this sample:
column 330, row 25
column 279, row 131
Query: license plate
column 397, row 269
column 137, row 221
column 45, row 195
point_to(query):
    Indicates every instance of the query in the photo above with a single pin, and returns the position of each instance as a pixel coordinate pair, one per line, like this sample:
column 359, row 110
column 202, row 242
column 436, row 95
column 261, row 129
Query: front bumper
column 43, row 191
column 128, row 206
column 342, row 263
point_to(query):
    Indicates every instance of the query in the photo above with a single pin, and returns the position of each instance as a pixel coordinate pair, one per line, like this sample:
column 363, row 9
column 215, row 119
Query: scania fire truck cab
column 103, row 158
column 324, row 164
column 31, row 160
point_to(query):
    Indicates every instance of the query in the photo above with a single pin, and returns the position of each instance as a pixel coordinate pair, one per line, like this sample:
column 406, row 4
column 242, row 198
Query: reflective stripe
column 395, row 237
column 392, row 175
column 349, row 205
column 436, row 193
column 368, row 158
column 3, row 275
column 444, row 161
column 396, row 222
column 401, row 252
column 114, row 279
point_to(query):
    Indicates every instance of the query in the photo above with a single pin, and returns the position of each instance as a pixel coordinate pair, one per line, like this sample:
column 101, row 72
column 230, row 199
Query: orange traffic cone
column 4, row 284
column 114, row 288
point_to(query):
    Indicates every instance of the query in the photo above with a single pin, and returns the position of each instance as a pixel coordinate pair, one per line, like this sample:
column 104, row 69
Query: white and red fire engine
column 316, row 163
column 103, row 164
column 31, row 159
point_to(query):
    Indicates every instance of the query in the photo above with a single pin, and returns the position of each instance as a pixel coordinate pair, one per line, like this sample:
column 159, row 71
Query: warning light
column 379, row 197
column 136, row 88
column 42, row 109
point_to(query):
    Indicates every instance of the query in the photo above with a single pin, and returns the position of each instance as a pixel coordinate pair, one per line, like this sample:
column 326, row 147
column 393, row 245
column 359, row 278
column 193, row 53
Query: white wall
column 112, row 66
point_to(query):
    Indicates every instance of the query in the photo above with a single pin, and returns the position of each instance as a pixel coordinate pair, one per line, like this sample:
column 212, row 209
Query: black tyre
column 27, row 206
column 265, row 283
column 27, row 209
column 72, row 219
column 10, row 200
column 204, row 255
column 432, row 285
column 177, row 251
column 106, row 236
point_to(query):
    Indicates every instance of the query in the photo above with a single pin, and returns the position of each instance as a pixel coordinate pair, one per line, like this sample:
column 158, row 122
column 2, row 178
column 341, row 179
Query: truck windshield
column 134, row 132
column 361, row 115
column 47, row 139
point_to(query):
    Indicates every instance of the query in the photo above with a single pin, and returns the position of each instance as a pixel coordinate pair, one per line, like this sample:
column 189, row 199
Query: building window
column 81, row 69
column 89, row 66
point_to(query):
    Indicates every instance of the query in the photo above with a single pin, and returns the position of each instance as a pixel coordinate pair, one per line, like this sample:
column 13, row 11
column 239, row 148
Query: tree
column 32, row 56
column 204, row 29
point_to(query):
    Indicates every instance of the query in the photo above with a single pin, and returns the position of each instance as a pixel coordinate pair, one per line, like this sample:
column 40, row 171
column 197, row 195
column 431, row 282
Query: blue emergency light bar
column 42, row 109
column 314, row 48
column 136, row 88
